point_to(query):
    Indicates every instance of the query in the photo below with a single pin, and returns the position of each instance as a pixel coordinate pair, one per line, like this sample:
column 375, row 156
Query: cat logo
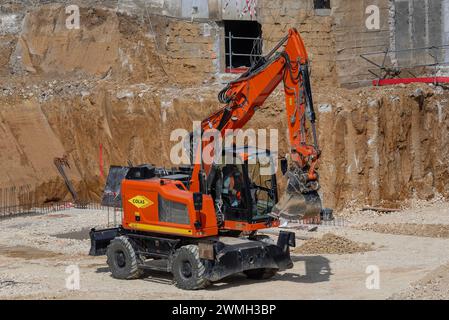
column 141, row 202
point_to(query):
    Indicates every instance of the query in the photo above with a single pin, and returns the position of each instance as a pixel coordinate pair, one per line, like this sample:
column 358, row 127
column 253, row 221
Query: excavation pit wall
column 380, row 146
column 124, row 83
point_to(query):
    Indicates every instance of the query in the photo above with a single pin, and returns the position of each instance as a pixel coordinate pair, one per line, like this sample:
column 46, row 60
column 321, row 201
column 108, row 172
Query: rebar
column 22, row 200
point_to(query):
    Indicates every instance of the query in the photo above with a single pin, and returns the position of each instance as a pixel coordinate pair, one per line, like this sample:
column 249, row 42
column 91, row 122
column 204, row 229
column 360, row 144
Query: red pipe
column 386, row 82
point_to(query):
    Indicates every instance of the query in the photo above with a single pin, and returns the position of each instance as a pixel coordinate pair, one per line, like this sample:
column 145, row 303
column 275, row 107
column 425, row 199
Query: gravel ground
column 40, row 231
column 434, row 285
column 35, row 252
column 436, row 212
column 410, row 229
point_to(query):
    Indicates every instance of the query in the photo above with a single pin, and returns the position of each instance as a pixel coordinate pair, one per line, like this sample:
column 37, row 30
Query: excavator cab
column 244, row 187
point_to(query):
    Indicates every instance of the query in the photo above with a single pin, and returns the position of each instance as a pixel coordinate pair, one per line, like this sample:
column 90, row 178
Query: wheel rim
column 120, row 259
column 186, row 269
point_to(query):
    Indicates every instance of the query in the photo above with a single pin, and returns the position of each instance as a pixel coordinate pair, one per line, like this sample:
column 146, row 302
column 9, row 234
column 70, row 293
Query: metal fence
column 316, row 221
column 22, row 200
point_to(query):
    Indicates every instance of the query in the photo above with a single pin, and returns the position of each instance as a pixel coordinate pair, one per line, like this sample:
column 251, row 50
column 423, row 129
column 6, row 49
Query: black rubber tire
column 260, row 274
column 188, row 270
column 122, row 259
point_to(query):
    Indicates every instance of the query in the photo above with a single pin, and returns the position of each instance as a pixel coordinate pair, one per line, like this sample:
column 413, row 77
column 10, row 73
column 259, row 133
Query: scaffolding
column 389, row 67
column 253, row 56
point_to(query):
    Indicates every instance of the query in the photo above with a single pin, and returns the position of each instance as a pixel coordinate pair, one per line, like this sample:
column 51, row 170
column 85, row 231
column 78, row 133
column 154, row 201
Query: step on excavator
column 202, row 222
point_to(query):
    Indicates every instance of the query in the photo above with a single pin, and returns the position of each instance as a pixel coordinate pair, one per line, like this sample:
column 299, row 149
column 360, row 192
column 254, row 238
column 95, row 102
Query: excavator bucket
column 300, row 199
column 297, row 206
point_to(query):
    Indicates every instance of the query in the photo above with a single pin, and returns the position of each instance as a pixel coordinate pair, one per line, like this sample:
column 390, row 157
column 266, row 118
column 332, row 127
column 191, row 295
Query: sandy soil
column 35, row 252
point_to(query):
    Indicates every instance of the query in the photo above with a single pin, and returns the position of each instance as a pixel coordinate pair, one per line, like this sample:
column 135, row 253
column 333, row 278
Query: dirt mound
column 410, row 229
column 332, row 244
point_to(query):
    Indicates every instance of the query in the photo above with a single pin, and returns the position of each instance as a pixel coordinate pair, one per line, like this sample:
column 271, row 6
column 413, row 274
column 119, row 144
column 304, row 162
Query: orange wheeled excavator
column 200, row 222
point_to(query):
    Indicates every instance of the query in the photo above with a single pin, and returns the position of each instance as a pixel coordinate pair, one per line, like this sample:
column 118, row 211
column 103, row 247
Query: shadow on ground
column 317, row 269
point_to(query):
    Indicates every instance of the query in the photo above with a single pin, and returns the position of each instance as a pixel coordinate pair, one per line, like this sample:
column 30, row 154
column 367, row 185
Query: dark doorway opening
column 322, row 4
column 243, row 44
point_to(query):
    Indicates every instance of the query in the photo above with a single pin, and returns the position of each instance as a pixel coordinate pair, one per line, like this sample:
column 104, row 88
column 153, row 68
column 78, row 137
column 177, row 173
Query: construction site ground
column 410, row 248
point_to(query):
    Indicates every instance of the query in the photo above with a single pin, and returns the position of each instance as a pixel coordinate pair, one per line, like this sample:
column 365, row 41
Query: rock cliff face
column 116, row 84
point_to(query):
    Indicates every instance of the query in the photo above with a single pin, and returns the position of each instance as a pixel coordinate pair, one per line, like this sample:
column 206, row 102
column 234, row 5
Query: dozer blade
column 295, row 205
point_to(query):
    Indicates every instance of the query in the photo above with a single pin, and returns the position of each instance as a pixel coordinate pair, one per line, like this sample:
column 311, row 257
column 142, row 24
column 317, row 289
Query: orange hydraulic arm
column 248, row 93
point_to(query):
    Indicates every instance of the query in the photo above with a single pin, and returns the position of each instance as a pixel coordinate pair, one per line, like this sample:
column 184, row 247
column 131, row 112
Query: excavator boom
column 243, row 96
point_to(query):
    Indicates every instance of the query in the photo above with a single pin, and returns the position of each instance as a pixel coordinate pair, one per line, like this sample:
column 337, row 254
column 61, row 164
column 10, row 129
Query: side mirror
column 284, row 166
column 198, row 201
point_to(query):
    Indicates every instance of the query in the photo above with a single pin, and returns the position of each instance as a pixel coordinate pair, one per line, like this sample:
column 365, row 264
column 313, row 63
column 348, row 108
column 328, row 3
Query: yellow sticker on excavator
column 141, row 202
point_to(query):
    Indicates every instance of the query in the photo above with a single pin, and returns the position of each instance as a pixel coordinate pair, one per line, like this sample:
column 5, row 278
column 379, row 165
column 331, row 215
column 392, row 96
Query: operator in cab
column 232, row 186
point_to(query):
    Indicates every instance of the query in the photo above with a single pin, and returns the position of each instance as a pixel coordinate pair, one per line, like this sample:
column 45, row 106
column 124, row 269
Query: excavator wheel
column 122, row 259
column 188, row 270
column 260, row 274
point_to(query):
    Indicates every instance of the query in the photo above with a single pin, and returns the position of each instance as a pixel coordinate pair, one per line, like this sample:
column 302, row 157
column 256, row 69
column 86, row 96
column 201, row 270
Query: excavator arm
column 245, row 95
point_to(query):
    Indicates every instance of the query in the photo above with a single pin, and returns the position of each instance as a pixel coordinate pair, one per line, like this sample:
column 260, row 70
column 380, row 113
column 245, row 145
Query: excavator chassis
column 221, row 256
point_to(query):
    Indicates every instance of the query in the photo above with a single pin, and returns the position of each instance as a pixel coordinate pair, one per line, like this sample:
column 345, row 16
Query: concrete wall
column 445, row 21
column 195, row 9
column 277, row 16
column 335, row 38
column 190, row 51
column 240, row 10
column 353, row 38
column 404, row 24
column 185, row 40
column 417, row 24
